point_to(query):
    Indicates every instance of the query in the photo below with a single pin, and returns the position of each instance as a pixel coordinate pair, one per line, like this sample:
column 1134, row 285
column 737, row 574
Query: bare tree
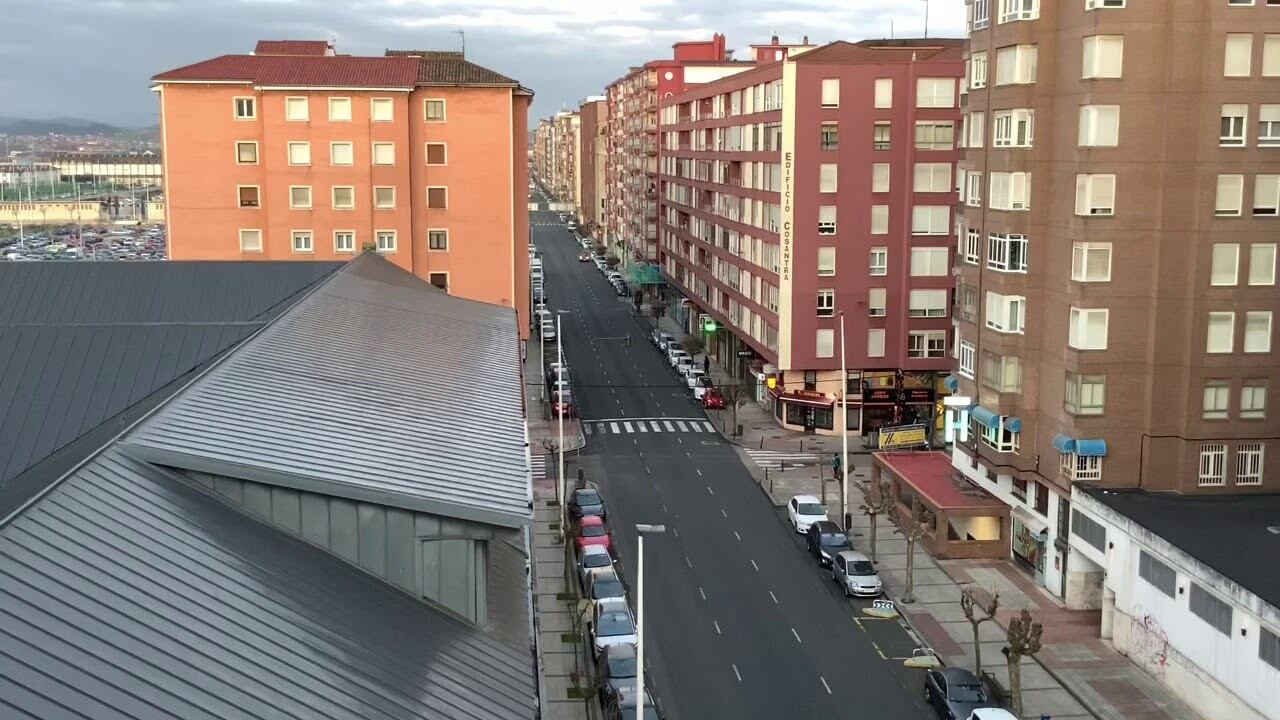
column 612, row 261
column 657, row 308
column 1024, row 640
column 875, row 502
column 735, row 396
column 912, row 526
column 978, row 612
column 693, row 345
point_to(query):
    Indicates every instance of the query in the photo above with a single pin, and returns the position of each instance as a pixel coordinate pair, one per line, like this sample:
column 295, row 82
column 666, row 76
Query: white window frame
column 826, row 305
column 376, row 205
column 333, row 197
column 1090, row 126
column 338, row 248
column 967, row 357
column 828, row 177
column 972, row 246
column 1084, row 394
column 977, row 70
column 931, row 128
column 256, row 156
column 373, row 152
column 1215, row 400
column 976, row 127
column 875, row 342
column 883, row 99
column 426, row 113
column 877, row 304
column 880, row 175
column 827, row 220
column 1001, row 439
column 1016, row 65
column 830, row 93
column 294, row 205
column 878, row 265
column 1010, row 191
column 1266, row 195
column 1262, row 264
column 973, row 188
column 1230, row 328
column 1016, row 10
column 930, row 262
column 1005, row 313
column 1213, row 465
column 1268, row 125
column 379, row 236
column 1249, row 460
column 383, row 102
column 1237, row 58
column 292, row 103
column 333, row 147
column 1080, row 467
column 1103, row 4
column 1224, row 264
column 426, row 154
column 1078, row 328
column 254, row 233
column 926, row 344
column 1253, row 399
column 236, row 104
column 1095, row 57
column 931, row 177
column 301, row 145
column 1232, row 125
column 824, row 343
column 446, row 239
column 257, row 197
column 1095, row 195
column 979, row 14
column 927, row 303
column 1013, row 128
column 935, row 92
column 1256, row 341
column 338, row 102
column 1007, row 252
column 930, row 219
column 309, row 244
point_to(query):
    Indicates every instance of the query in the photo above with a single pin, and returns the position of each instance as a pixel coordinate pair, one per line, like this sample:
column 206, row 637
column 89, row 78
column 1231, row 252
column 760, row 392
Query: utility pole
column 845, row 520
column 926, row 18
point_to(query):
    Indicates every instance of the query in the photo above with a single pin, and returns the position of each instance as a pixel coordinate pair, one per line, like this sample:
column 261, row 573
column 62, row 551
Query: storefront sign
column 878, row 395
column 957, row 417
column 745, row 353
column 903, row 436
column 917, row 395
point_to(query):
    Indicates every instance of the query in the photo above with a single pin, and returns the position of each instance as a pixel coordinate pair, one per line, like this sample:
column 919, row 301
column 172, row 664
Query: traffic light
column 708, row 325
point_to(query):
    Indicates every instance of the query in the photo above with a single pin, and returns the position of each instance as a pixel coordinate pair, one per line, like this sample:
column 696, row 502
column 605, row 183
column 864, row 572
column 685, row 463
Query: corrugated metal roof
column 292, row 47
column 82, row 343
column 377, row 387
column 447, row 67
column 302, row 71
column 129, row 594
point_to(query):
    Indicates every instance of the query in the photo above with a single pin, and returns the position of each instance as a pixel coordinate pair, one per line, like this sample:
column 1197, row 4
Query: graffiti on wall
column 1150, row 643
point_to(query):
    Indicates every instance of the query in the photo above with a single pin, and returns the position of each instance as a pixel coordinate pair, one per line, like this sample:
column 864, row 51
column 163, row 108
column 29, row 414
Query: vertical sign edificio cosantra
column 787, row 220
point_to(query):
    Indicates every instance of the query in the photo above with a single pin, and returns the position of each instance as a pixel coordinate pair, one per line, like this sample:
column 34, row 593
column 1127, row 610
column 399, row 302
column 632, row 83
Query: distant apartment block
column 593, row 154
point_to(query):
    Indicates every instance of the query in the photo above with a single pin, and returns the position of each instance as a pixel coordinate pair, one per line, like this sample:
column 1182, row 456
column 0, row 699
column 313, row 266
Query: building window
column 811, row 380
column 1100, row 4
column 1089, row 530
column 1217, row 399
column 972, row 246
column 1095, row 195
column 1238, row 56
column 1213, row 462
column 299, row 153
column 440, row 280
column 879, row 261
column 930, row 220
column 927, row 344
column 927, row 303
column 979, row 14
column 1230, row 196
column 879, row 219
column 434, row 110
column 884, row 93
column 1269, row 126
column 880, row 177
column 246, row 153
column 1001, row 439
column 1262, row 264
column 1224, row 264
column 876, row 302
column 344, row 197
column 1085, row 394
column 1006, row 313
column 438, row 198
column 384, row 153
column 1266, row 195
column 1007, row 253
column 830, row 136
column 937, row 135
column 1253, row 399
column 385, row 241
column 1103, row 57
column 976, row 123
column 250, row 241
column 1010, row 191
column 1099, row 125
column 1231, row 132
column 1257, row 331
column 302, row 242
column 826, row 261
column 1041, row 504
column 382, row 109
column 1002, row 373
column 300, row 197
column 880, row 138
column 935, row 92
column 1249, row 464
column 930, row 262
column 1157, row 574
column 1013, row 128
column 978, row 70
column 249, row 196
column 341, row 153
column 1220, row 334
column 339, row 109
column 875, row 342
column 436, row 154
column 968, row 302
column 827, row 177
column 1088, row 329
column 1014, row 10
column 297, row 109
column 1269, row 646
column 973, row 188
column 824, row 343
column 932, row 177
column 827, row 220
column 384, row 198
column 830, row 92
column 1016, row 65
column 344, row 241
column 1210, row 609
column 246, row 108
column 968, row 358
column 826, row 303
column 437, row 239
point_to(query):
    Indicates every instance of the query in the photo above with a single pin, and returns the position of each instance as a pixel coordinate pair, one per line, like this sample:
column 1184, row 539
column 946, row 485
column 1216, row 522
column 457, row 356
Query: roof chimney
column 773, row 40
column 806, row 40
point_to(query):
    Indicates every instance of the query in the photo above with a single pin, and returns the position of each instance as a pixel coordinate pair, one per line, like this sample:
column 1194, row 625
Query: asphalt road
column 740, row 622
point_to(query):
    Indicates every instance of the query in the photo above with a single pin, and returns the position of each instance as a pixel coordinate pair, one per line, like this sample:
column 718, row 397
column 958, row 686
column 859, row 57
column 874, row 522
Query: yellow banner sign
column 906, row 436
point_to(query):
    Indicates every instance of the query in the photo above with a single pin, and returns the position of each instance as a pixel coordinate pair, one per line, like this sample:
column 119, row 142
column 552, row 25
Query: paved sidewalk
column 544, row 430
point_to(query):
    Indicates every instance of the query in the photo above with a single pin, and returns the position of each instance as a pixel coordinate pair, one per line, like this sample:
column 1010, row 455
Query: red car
column 712, row 400
column 563, row 407
column 593, row 532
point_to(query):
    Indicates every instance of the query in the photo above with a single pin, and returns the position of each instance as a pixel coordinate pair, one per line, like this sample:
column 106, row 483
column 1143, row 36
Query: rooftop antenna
column 890, row 28
column 462, row 36
column 926, row 18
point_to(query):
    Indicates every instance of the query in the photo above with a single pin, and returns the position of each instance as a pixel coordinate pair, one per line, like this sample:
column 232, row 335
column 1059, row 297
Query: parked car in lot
column 661, row 339
column 593, row 559
column 618, row 666
column 955, row 693
column 611, row 624
column 825, row 540
column 592, row 531
column 803, row 510
column 855, row 574
column 692, row 376
column 586, row 501
column 712, row 399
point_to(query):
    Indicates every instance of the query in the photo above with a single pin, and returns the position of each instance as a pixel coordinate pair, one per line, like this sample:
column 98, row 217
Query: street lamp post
column 844, row 434
column 562, row 491
column 641, row 531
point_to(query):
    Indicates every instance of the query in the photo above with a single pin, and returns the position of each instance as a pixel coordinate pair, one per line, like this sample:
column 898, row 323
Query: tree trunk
column 908, row 596
column 873, row 535
column 1015, row 683
column 977, row 652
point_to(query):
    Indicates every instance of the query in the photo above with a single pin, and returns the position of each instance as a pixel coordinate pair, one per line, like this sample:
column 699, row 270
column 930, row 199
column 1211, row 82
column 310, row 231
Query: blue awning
column 984, row 416
column 1064, row 443
column 951, row 383
column 1013, row 424
column 1091, row 448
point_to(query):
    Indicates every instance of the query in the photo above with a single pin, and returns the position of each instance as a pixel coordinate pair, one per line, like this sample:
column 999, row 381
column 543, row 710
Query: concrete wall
column 37, row 213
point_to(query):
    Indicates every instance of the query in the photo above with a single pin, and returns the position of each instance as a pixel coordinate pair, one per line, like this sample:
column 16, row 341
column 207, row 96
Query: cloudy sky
column 92, row 58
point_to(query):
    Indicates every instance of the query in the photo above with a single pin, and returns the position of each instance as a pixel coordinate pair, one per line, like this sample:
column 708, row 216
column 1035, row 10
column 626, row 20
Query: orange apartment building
column 294, row 152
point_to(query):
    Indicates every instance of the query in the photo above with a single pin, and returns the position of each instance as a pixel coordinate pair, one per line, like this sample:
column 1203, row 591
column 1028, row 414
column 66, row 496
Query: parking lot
column 87, row 242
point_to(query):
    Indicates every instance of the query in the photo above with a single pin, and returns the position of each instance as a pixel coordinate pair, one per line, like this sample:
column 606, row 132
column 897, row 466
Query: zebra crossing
column 539, row 465
column 546, row 223
column 774, row 459
column 637, row 426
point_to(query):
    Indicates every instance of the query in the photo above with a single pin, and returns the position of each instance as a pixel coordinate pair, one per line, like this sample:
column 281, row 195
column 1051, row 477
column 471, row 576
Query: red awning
column 806, row 398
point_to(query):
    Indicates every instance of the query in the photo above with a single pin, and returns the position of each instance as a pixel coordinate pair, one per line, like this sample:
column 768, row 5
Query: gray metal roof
column 377, row 387
column 87, row 347
column 126, row 593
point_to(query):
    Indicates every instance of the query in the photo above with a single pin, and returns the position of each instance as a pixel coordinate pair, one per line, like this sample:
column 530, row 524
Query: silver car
column 855, row 574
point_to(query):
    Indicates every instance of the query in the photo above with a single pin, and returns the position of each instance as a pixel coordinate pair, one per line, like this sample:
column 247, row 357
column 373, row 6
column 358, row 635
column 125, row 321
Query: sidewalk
column 544, row 430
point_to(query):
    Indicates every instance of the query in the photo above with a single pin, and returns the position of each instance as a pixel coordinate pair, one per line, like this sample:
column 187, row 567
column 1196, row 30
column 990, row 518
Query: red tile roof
column 932, row 474
column 302, row 71
column 449, row 67
column 292, row 47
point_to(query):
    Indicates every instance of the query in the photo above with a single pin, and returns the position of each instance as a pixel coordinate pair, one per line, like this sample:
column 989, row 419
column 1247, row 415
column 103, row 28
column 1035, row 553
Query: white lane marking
column 796, row 634
column 647, row 471
column 710, row 491
column 688, row 562
column 698, row 471
column 709, row 426
column 775, row 597
column 627, row 425
column 614, row 427
column 722, row 512
column 641, row 426
column 735, row 534
column 654, row 424
column 824, row 684
column 717, row 624
column 682, row 427
column 680, row 441
column 668, row 425
column 635, row 441
column 703, row 594
column 754, row 565
column 736, row 673
column 675, row 531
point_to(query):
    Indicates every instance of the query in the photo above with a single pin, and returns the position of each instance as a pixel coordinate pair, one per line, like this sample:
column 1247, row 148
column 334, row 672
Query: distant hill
column 59, row 126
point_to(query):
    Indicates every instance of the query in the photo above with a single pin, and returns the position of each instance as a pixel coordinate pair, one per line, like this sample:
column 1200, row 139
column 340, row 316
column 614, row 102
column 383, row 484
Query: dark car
column 618, row 666
column 586, row 501
column 825, row 539
column 955, row 693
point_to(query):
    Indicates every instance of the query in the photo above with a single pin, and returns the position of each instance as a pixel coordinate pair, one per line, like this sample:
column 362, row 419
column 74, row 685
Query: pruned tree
column 876, row 502
column 1024, row 641
column 735, row 395
column 913, row 524
column 693, row 344
column 612, row 261
column 977, row 612
column 657, row 308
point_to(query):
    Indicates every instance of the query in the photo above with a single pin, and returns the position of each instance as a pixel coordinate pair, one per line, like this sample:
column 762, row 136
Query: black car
column 824, row 539
column 618, row 666
column 586, row 501
column 954, row 693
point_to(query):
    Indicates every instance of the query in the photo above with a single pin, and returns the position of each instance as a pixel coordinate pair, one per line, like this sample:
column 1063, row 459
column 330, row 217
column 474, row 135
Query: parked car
column 622, row 706
column 671, row 347
column 584, row 257
column 611, row 624
column 562, row 404
column 855, row 575
column 594, row 559
column 586, row 501
column 955, row 693
column 992, row 713
column 661, row 339
column 692, row 376
column 803, row 510
column 592, row 531
column 573, row 225
column 684, row 363
column 825, row 539
column 618, row 666
column 713, row 400
column 621, row 288
column 702, row 387
column 548, row 331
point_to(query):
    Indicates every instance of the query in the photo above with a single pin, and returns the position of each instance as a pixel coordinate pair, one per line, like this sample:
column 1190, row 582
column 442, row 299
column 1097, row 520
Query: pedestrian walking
column 706, row 364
